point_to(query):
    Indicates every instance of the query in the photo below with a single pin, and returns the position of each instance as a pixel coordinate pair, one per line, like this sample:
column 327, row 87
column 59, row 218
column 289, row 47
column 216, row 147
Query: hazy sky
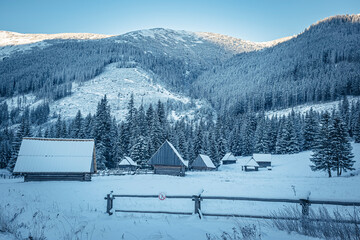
column 249, row 20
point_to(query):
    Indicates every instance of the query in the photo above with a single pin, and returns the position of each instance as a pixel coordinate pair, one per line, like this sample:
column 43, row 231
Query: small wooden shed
column 264, row 160
column 251, row 165
column 168, row 161
column 128, row 164
column 51, row 159
column 203, row 162
column 229, row 158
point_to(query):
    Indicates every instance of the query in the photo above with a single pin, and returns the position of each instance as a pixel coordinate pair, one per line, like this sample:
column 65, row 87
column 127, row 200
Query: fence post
column 305, row 204
column 197, row 199
column 109, row 202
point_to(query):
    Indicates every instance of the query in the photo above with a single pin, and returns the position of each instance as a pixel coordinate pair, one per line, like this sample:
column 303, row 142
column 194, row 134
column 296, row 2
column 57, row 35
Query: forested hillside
column 176, row 58
column 320, row 64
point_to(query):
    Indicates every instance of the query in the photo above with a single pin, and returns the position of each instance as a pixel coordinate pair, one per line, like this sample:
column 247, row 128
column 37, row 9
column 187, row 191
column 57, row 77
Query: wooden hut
column 229, row 158
column 264, row 160
column 128, row 164
column 251, row 165
column 203, row 162
column 46, row 159
column 168, row 161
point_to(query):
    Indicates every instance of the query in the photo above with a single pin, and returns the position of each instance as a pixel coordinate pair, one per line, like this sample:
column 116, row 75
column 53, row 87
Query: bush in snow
column 320, row 223
column 240, row 232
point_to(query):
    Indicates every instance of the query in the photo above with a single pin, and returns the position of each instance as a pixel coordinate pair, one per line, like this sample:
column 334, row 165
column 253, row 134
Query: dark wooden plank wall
column 225, row 162
column 165, row 156
column 169, row 170
column 198, row 163
column 57, row 177
column 264, row 164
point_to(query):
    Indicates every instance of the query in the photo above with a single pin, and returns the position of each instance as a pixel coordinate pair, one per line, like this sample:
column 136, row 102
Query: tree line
column 144, row 129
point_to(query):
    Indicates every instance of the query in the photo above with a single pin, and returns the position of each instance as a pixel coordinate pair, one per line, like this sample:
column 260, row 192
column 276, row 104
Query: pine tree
column 291, row 138
column 310, row 130
column 281, row 144
column 76, row 126
column 23, row 131
column 341, row 154
column 198, row 142
column 259, row 142
column 213, row 153
column 102, row 135
column 221, row 150
column 139, row 151
column 321, row 157
column 247, row 133
column 58, row 127
column 357, row 128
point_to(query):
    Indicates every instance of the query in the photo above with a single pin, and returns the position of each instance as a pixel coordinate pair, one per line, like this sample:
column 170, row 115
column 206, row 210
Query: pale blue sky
column 249, row 20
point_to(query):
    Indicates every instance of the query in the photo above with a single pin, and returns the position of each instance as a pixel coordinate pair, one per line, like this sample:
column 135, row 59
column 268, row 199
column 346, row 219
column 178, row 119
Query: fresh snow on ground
column 78, row 208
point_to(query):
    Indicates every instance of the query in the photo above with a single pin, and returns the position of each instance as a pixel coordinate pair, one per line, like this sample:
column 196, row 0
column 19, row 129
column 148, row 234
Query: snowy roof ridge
column 262, row 157
column 128, row 160
column 252, row 163
column 176, row 152
column 229, row 156
column 206, row 159
column 59, row 139
column 43, row 155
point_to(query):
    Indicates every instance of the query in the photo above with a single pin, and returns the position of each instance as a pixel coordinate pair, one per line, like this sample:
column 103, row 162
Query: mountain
column 61, row 66
column 14, row 38
column 320, row 64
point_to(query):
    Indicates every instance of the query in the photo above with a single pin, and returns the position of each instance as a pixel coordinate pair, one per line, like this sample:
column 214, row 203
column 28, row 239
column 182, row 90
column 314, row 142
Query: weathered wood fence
column 304, row 203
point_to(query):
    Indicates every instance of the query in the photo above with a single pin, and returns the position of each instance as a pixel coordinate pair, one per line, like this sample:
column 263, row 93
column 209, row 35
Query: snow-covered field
column 66, row 210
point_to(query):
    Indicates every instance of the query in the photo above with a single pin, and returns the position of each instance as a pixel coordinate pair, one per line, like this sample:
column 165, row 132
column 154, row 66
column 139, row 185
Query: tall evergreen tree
column 321, row 157
column 341, row 154
column 102, row 135
column 310, row 130
column 23, row 131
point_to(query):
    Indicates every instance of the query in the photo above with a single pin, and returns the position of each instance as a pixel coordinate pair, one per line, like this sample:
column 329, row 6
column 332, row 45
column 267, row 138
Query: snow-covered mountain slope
column 318, row 107
column 13, row 42
column 118, row 84
column 194, row 48
column 237, row 45
column 319, row 64
column 14, row 38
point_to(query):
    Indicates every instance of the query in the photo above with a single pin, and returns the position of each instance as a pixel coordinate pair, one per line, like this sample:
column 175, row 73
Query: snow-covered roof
column 177, row 153
column 127, row 161
column 229, row 156
column 251, row 163
column 50, row 155
column 203, row 161
column 262, row 157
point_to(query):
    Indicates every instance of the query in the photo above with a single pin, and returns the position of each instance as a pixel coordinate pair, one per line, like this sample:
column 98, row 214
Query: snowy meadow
column 77, row 210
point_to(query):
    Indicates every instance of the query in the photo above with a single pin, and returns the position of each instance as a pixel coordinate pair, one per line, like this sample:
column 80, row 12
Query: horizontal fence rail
column 304, row 203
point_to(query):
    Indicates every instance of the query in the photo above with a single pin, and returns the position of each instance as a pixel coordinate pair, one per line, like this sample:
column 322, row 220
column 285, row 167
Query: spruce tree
column 310, row 130
column 23, row 131
column 102, row 135
column 321, row 157
column 76, row 126
column 341, row 154
column 139, row 151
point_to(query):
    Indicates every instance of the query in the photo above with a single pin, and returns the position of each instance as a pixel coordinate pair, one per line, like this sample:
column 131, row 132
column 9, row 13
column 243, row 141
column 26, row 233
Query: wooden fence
column 304, row 203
